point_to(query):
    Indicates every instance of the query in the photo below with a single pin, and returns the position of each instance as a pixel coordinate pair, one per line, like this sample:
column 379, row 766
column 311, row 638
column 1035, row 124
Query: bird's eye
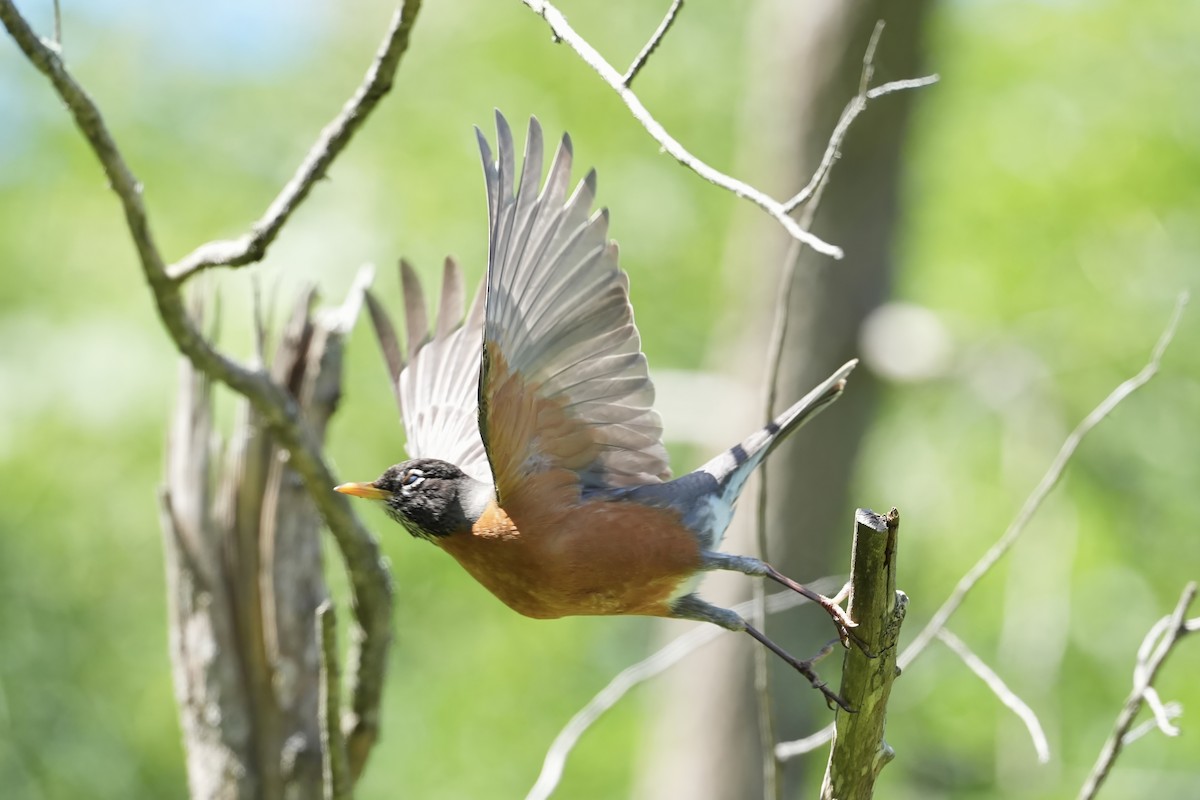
column 412, row 478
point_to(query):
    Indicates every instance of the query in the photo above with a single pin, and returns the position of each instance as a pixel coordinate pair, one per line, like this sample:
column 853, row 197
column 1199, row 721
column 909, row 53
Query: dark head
column 430, row 498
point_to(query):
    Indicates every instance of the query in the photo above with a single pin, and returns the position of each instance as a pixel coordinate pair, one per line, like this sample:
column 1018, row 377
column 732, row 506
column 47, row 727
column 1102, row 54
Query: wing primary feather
column 442, row 347
column 548, row 210
column 416, row 318
column 559, row 177
column 525, row 206
column 450, row 310
column 436, row 389
column 585, row 245
column 475, row 313
column 492, row 182
column 588, row 239
column 547, row 301
column 563, row 383
column 505, row 157
column 388, row 345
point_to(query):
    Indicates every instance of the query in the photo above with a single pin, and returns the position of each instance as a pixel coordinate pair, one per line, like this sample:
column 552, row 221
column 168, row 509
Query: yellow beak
column 367, row 490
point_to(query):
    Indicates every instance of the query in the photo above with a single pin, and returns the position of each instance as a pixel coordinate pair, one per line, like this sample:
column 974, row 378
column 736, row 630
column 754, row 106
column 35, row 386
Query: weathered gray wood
column 245, row 578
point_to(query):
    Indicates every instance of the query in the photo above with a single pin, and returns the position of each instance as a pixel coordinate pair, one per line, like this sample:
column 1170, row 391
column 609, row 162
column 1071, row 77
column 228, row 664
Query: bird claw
column 845, row 627
column 841, row 619
column 832, row 698
column 804, row 667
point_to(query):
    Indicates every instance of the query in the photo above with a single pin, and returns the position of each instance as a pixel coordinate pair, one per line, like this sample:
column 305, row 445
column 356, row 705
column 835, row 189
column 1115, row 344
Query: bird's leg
column 692, row 607
column 753, row 566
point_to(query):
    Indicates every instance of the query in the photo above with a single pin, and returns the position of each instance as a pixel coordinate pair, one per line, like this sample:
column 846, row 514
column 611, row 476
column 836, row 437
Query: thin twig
column 1154, row 651
column 891, row 87
column 651, row 45
column 786, row 751
column 772, row 764
column 564, row 32
column 1006, row 695
column 856, row 106
column 252, row 246
column 1172, row 711
column 1158, row 710
column 852, row 110
column 369, row 580
column 630, row 677
column 1042, row 490
column 792, row 749
column 58, row 25
column 335, row 771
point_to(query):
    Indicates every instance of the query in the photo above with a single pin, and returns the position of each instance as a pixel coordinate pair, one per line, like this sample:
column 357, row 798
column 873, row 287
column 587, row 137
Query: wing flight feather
column 437, row 388
column 564, row 384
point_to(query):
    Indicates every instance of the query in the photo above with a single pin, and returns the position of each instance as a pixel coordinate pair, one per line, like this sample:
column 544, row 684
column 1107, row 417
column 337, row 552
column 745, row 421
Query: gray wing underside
column 558, row 307
column 437, row 387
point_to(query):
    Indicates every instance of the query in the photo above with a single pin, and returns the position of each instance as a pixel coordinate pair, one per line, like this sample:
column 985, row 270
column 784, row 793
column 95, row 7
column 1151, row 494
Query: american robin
column 537, row 459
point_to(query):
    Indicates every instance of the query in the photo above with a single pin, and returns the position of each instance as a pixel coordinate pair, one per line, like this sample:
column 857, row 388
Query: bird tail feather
column 733, row 467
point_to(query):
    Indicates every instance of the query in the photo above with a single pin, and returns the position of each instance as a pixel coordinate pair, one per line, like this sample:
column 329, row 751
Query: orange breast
column 592, row 557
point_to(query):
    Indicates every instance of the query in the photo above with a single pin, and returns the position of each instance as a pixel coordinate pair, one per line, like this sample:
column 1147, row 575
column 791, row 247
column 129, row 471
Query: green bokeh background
column 1051, row 215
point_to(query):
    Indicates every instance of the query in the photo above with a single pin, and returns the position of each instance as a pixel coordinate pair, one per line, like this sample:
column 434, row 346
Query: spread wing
column 438, row 387
column 565, row 397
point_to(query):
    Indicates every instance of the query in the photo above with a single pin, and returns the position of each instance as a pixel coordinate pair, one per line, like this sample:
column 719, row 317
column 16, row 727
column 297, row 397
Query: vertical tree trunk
column 806, row 63
column 245, row 578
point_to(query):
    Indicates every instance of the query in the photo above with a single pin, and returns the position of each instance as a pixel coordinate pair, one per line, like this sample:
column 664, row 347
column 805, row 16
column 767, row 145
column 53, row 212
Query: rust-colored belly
column 597, row 557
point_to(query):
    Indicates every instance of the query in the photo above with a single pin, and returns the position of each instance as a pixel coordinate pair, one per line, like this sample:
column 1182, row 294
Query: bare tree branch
column 252, row 246
column 772, row 764
column 1155, row 648
column 789, row 750
column 786, row 751
column 1043, row 489
column 1158, row 709
column 1171, row 711
column 652, row 45
column 369, row 579
column 632, row 676
column 859, row 752
column 563, row 31
column 892, row 87
column 856, row 106
column 1006, row 695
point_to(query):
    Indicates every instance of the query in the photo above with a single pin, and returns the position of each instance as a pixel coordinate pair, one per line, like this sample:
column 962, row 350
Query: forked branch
column 369, row 580
column 252, row 246
column 1032, row 503
column 1158, row 644
column 997, row 551
column 564, row 32
column 652, row 45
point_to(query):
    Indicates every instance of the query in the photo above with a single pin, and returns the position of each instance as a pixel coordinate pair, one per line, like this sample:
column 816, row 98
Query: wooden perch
column 859, row 752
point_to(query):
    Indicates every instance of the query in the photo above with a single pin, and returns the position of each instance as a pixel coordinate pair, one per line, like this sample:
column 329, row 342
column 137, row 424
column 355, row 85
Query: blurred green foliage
column 1051, row 212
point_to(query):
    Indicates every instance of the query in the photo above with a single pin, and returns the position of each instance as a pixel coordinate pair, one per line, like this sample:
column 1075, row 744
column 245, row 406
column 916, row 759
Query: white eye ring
column 412, row 478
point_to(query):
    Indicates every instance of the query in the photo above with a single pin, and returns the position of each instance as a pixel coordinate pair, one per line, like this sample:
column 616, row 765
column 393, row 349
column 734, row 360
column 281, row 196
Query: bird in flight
column 537, row 459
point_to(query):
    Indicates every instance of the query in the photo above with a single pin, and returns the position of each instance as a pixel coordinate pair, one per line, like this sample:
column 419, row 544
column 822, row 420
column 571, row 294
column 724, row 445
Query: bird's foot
column 805, row 668
column 845, row 627
column 841, row 620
